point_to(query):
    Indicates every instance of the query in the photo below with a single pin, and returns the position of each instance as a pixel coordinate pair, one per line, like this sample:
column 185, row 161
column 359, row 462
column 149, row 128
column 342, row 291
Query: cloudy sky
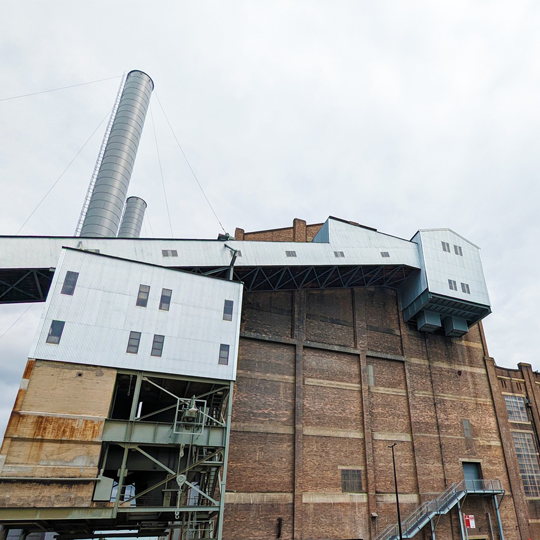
column 397, row 115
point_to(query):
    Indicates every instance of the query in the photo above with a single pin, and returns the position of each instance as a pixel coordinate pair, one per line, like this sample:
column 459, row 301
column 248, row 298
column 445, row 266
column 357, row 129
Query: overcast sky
column 397, row 115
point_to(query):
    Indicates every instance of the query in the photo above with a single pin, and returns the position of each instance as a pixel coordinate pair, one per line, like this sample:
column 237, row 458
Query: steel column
column 461, row 524
column 498, row 517
column 225, row 460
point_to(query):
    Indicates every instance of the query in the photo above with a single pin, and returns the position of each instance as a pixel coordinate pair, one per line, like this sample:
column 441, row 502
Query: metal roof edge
column 354, row 224
column 172, row 269
column 447, row 229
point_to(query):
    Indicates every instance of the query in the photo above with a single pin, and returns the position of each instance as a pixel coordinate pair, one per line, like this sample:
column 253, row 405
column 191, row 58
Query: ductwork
column 109, row 195
column 133, row 218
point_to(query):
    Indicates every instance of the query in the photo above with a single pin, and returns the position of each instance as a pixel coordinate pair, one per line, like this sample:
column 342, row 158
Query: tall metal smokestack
column 110, row 189
column 133, row 218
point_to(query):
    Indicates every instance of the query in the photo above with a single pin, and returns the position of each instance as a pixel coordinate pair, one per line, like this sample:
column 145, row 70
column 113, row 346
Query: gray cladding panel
column 112, row 182
column 133, row 218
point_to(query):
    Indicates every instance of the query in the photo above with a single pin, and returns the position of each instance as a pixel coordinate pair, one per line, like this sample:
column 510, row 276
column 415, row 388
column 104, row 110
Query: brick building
column 350, row 341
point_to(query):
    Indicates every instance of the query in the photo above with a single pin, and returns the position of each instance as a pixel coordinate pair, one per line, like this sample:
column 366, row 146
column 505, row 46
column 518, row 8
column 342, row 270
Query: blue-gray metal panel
column 102, row 312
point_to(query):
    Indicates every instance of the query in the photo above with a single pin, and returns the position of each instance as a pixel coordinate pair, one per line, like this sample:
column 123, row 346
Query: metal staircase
column 416, row 521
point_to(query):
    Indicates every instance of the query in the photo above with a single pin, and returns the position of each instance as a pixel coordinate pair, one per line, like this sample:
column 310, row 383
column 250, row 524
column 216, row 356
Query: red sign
column 469, row 521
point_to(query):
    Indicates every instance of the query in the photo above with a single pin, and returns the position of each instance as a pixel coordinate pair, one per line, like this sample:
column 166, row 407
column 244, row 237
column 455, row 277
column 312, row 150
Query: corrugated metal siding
column 103, row 311
column 440, row 266
column 360, row 247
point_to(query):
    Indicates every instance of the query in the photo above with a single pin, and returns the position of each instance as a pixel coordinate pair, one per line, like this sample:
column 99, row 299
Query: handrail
column 441, row 505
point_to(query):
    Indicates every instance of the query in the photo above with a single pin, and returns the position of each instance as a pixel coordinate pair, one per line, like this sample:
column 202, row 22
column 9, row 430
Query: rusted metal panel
column 26, row 454
column 45, row 494
column 32, row 426
column 28, row 369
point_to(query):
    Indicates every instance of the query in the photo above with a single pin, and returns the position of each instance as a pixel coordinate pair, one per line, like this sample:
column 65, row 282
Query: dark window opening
column 169, row 252
column 467, row 429
column 351, row 481
column 70, row 282
column 458, row 250
column 339, row 254
column 142, row 297
column 157, row 345
column 452, row 284
column 133, row 342
column 290, row 253
column 228, row 310
column 55, row 332
column 165, row 301
column 465, row 288
column 385, row 254
column 224, row 354
column 446, row 246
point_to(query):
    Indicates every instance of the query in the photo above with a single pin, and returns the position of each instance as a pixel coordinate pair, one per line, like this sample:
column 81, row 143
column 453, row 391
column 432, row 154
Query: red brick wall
column 303, row 411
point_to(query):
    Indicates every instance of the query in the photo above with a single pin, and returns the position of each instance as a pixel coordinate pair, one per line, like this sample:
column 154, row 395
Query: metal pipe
column 45, row 479
column 392, row 446
column 222, row 486
column 133, row 217
column 499, row 522
column 490, row 526
column 461, row 524
column 110, row 190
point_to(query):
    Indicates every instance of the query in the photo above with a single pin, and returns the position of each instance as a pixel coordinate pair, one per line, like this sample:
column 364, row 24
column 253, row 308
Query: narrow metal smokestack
column 109, row 194
column 133, row 218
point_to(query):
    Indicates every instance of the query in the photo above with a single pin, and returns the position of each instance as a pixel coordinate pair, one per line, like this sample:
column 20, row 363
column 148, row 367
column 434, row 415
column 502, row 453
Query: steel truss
column 160, row 469
column 277, row 278
column 25, row 285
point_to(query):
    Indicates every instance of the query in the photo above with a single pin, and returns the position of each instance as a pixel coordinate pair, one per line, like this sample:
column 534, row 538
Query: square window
column 157, row 345
column 224, row 354
column 351, row 481
column 529, row 466
column 169, row 252
column 55, row 332
column 133, row 342
column 228, row 310
column 165, row 301
column 339, row 254
column 142, row 297
column 452, row 284
column 465, row 288
column 69, row 283
column 385, row 254
column 446, row 246
column 290, row 253
column 517, row 412
column 458, row 250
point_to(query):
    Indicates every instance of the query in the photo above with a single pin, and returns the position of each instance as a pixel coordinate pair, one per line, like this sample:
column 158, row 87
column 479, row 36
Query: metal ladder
column 100, row 156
